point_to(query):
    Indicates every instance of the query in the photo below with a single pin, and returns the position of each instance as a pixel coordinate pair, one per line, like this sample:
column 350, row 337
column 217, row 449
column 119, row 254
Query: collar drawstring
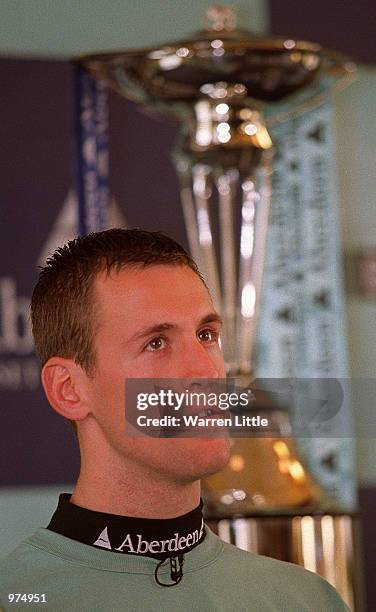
column 176, row 570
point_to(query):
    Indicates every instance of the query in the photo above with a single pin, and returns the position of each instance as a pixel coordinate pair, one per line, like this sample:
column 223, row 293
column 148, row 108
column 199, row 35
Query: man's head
column 125, row 304
column 63, row 307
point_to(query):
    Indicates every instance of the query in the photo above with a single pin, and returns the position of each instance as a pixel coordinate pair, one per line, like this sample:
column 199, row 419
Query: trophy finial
column 221, row 17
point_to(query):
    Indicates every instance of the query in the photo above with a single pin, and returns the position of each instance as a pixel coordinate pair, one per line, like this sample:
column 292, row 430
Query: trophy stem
column 255, row 209
column 202, row 192
column 227, row 188
column 231, row 258
column 189, row 213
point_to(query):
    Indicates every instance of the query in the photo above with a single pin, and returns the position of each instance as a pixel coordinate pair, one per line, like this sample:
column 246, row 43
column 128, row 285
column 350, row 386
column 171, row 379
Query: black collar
column 156, row 538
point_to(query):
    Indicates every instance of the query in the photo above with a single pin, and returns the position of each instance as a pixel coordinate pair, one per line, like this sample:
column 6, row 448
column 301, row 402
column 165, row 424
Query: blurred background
column 38, row 206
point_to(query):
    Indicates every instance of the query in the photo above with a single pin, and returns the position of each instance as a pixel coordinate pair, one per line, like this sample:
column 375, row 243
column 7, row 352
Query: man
column 108, row 307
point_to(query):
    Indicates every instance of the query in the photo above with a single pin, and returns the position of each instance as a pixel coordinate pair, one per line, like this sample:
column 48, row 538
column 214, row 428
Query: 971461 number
column 27, row 597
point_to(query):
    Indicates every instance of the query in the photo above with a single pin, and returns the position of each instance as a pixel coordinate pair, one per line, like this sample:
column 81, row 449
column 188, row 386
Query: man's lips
column 209, row 412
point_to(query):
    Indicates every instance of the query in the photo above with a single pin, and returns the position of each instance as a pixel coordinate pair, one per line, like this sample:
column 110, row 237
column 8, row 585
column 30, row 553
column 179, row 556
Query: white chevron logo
column 103, row 540
column 65, row 226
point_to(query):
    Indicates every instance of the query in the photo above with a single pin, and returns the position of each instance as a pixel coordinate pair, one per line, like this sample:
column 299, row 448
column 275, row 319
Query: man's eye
column 208, row 335
column 156, row 344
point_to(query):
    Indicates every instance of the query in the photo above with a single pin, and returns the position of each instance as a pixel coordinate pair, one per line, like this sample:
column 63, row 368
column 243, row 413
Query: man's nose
column 196, row 362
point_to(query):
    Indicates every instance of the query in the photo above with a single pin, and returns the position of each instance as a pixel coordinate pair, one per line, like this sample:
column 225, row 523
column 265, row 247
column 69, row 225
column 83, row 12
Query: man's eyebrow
column 212, row 317
column 153, row 329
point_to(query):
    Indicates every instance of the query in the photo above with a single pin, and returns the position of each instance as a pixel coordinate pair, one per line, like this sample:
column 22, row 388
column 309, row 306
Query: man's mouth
column 209, row 412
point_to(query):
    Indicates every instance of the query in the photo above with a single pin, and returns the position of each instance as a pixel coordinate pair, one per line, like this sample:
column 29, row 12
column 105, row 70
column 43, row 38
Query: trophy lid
column 269, row 68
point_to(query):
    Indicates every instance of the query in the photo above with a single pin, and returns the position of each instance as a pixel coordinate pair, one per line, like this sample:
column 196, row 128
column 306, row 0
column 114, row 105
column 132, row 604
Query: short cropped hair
column 63, row 312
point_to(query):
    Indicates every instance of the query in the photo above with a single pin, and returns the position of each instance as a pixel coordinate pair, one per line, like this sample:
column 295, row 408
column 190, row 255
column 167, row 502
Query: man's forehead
column 133, row 301
column 150, row 283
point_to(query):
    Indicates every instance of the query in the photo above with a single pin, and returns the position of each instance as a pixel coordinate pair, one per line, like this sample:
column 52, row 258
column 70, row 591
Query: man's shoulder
column 263, row 564
column 27, row 559
column 281, row 577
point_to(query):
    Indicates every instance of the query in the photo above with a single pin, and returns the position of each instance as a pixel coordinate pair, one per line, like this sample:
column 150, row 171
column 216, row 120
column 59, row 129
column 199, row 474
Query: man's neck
column 138, row 495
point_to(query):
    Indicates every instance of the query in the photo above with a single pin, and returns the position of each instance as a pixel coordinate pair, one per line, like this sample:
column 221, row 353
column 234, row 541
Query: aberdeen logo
column 18, row 367
column 139, row 546
column 15, row 330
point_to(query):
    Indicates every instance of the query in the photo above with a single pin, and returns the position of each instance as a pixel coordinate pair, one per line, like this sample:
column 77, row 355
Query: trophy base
column 327, row 544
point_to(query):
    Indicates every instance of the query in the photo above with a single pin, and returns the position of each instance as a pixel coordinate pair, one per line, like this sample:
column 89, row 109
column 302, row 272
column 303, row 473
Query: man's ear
column 64, row 384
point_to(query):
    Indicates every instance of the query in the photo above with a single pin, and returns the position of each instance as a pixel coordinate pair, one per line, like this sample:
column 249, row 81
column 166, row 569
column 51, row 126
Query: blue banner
column 92, row 154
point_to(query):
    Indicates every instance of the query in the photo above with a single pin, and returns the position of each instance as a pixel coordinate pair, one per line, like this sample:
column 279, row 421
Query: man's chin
column 209, row 455
column 185, row 459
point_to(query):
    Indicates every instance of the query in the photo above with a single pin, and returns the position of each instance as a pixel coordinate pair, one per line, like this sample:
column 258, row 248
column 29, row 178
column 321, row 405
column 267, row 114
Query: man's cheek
column 109, row 402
